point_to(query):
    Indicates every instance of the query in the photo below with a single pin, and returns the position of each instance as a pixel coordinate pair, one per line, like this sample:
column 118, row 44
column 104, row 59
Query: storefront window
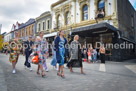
column 85, row 12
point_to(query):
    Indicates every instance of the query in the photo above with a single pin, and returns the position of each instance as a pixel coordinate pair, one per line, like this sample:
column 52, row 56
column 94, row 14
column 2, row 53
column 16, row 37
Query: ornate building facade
column 97, row 21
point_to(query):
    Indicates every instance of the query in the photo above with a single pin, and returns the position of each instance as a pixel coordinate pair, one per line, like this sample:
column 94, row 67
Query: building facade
column 44, row 23
column 81, row 17
column 28, row 29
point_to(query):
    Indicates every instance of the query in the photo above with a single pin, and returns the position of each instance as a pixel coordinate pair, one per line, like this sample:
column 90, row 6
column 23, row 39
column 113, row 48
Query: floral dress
column 41, row 48
column 14, row 48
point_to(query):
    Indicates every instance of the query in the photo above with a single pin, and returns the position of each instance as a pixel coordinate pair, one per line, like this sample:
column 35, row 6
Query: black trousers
column 102, row 57
column 27, row 54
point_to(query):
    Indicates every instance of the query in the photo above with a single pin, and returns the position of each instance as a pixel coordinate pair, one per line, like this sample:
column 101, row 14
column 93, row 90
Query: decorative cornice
column 57, row 3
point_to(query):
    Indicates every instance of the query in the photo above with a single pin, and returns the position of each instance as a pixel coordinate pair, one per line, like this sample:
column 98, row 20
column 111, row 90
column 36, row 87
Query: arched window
column 67, row 18
column 58, row 21
column 101, row 4
column 85, row 12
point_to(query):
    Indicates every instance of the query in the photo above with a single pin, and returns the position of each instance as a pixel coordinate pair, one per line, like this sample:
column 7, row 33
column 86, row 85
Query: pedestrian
column 95, row 55
column 89, row 56
column 42, row 51
column 102, row 53
column 14, row 49
column 91, row 49
column 84, row 50
column 60, row 43
column 54, row 60
column 75, row 51
column 27, row 51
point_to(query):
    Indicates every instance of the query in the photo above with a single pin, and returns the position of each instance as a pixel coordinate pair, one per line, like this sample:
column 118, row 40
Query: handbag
column 35, row 59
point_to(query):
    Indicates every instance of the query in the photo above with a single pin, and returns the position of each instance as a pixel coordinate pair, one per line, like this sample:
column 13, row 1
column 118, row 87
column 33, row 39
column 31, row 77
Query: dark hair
column 60, row 32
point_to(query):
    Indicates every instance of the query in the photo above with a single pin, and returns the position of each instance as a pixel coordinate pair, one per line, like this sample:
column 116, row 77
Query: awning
column 94, row 30
column 50, row 35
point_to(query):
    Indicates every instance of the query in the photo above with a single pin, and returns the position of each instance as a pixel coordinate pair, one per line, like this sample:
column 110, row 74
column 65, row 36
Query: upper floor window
column 48, row 24
column 26, row 32
column 67, row 18
column 85, row 12
column 39, row 27
column 58, row 21
column 132, row 21
column 22, row 32
column 43, row 25
column 101, row 4
column 32, row 30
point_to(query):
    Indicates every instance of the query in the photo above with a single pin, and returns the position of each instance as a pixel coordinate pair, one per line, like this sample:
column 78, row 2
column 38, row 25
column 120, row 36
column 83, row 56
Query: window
column 132, row 21
column 22, row 32
column 26, row 32
column 67, row 18
column 39, row 27
column 48, row 24
column 85, row 12
column 58, row 21
column 43, row 25
column 101, row 4
column 29, row 30
column 32, row 30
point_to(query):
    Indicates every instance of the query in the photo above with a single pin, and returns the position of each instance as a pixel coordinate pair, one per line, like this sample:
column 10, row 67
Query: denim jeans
column 95, row 57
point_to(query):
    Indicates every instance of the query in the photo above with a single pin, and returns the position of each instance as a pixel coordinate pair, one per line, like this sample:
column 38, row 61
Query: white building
column 7, row 37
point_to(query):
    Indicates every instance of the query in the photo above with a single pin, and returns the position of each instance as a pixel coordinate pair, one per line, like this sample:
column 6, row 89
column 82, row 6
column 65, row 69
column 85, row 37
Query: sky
column 12, row 11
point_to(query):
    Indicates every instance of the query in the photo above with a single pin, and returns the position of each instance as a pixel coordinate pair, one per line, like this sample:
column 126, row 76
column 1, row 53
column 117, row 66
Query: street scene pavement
column 113, row 76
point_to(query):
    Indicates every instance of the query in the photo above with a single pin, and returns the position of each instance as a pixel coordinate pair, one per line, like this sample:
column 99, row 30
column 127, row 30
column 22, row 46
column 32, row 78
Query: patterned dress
column 62, row 51
column 41, row 48
column 14, row 48
column 54, row 60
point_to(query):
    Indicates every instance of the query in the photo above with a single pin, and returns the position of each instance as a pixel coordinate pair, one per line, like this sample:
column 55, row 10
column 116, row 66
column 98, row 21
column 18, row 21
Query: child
column 89, row 56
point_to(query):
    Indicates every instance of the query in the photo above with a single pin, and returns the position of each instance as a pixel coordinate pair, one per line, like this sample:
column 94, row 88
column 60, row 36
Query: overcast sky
column 12, row 11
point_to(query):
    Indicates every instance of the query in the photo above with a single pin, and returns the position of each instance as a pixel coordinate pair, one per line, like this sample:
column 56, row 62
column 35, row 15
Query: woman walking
column 54, row 60
column 75, row 51
column 42, row 50
column 102, row 54
column 60, row 43
column 14, row 48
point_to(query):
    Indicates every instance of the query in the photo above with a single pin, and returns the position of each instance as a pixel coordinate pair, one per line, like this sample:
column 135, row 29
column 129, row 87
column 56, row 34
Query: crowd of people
column 37, row 52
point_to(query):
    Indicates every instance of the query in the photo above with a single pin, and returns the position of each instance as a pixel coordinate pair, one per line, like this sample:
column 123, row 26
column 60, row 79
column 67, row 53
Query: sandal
column 58, row 73
column 62, row 75
column 38, row 73
column 43, row 74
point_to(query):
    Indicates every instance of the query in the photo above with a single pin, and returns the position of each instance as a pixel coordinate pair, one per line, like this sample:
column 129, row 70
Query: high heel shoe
column 62, row 75
column 38, row 73
column 43, row 74
column 58, row 73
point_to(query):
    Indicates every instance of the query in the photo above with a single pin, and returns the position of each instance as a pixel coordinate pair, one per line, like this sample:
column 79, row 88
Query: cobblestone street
column 118, row 76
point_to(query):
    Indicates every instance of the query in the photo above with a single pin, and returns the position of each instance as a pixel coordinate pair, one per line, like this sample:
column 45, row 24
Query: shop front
column 99, row 33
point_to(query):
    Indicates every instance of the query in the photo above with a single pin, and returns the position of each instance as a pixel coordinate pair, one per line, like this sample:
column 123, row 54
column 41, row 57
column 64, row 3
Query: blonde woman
column 75, row 51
